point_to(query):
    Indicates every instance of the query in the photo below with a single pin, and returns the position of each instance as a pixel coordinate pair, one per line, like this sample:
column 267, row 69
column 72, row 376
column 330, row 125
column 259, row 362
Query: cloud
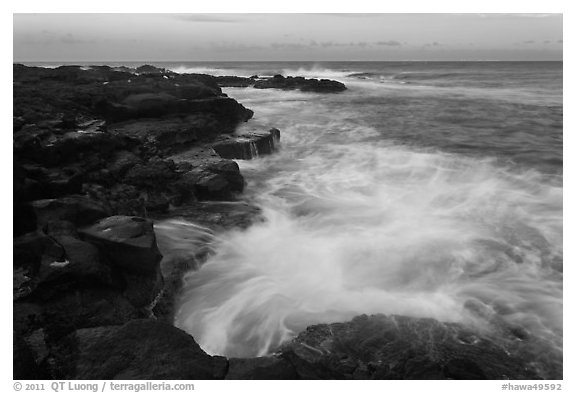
column 288, row 45
column 329, row 44
column 388, row 43
column 314, row 44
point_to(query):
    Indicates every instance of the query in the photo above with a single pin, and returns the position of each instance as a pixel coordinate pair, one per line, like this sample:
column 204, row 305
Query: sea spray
column 419, row 235
column 358, row 221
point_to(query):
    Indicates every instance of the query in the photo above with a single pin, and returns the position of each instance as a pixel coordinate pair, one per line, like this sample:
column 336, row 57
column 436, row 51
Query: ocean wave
column 359, row 224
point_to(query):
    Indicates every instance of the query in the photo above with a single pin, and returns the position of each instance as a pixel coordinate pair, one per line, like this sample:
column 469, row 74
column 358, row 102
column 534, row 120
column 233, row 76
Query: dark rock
column 216, row 181
column 24, row 219
column 129, row 244
column 249, row 145
column 61, row 228
column 77, row 209
column 30, row 249
column 218, row 216
column 159, row 104
column 121, row 162
column 25, row 367
column 141, row 349
column 85, row 308
column 285, row 83
column 150, row 175
column 34, row 143
column 45, row 183
column 396, row 347
column 27, row 317
column 292, row 83
column 234, row 81
column 80, row 267
column 268, row 368
column 73, row 145
column 149, row 69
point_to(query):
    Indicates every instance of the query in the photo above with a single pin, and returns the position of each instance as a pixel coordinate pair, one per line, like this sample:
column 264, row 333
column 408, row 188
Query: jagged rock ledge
column 283, row 83
column 368, row 347
column 95, row 150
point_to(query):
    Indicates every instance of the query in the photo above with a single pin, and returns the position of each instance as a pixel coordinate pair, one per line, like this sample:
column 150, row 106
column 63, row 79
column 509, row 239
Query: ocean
column 426, row 189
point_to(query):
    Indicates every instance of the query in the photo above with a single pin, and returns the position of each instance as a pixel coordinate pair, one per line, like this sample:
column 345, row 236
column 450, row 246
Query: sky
column 284, row 37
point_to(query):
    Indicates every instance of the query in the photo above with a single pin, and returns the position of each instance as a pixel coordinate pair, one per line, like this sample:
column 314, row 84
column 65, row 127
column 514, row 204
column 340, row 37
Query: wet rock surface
column 248, row 145
column 399, row 347
column 141, row 349
column 283, row 83
column 91, row 159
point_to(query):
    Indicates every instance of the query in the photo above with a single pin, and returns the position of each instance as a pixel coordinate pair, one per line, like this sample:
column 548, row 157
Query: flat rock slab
column 129, row 242
column 249, row 145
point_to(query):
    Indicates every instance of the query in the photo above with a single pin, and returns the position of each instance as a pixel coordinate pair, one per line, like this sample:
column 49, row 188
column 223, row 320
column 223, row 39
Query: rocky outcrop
column 78, row 278
column 283, row 83
column 398, row 347
column 235, row 81
column 248, row 145
column 300, row 83
column 141, row 349
column 129, row 244
column 91, row 153
column 105, row 133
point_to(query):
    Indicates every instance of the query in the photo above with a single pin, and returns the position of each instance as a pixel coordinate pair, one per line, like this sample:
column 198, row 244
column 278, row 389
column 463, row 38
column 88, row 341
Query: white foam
column 359, row 225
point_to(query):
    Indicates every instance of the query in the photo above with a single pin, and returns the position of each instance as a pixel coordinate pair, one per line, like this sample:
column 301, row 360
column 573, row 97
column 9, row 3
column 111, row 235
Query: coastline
column 143, row 153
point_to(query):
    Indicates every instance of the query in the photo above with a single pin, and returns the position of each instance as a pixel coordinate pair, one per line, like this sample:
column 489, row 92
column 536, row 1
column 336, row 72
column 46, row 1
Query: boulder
column 219, row 181
column 141, row 349
column 399, row 347
column 150, row 175
column 80, row 267
column 129, row 244
column 248, row 146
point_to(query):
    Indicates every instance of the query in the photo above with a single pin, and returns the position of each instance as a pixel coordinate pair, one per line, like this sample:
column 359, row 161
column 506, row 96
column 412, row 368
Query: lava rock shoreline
column 99, row 154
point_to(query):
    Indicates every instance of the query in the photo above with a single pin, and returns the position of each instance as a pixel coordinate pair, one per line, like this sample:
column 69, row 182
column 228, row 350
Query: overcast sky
column 314, row 37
